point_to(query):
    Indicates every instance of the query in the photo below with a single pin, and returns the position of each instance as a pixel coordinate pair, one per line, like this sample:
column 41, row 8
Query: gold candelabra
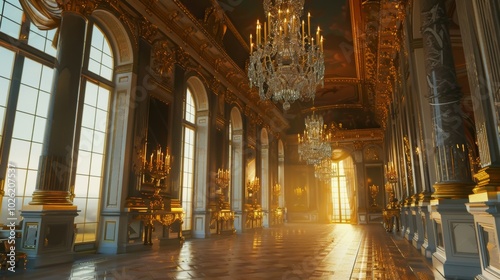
column 389, row 188
column 276, row 193
column 390, row 173
column 157, row 167
column 253, row 188
column 373, row 193
column 222, row 181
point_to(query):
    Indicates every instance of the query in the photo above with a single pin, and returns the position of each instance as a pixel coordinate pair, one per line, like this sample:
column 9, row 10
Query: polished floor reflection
column 291, row 251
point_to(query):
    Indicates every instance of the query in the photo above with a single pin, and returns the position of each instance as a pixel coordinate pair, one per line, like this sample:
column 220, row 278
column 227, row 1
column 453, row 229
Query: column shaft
column 57, row 160
column 451, row 149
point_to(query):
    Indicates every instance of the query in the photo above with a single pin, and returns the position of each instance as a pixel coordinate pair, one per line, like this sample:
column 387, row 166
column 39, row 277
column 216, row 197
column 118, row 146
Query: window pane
column 30, row 182
column 19, row 153
column 43, row 103
column 36, row 151
column 101, row 58
column 46, row 80
column 23, row 126
column 83, row 166
column 11, row 19
column 27, row 99
column 94, row 187
column 42, row 40
column 91, row 94
column 88, row 117
column 96, row 165
column 20, row 182
column 4, row 90
column 31, row 73
column 7, row 62
column 81, row 181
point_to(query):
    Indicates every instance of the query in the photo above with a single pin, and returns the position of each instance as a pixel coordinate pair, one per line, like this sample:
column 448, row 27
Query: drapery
column 350, row 175
column 45, row 14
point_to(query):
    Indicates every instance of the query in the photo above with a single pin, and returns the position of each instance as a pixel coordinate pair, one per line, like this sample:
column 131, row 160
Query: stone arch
column 117, row 35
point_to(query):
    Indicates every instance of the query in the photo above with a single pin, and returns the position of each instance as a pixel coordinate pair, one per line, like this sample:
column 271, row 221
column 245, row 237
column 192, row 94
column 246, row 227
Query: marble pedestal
column 485, row 209
column 456, row 255
column 48, row 234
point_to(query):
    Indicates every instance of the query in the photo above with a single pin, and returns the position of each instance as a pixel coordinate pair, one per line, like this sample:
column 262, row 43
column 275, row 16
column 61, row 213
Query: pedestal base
column 48, row 234
column 485, row 209
column 429, row 245
column 456, row 255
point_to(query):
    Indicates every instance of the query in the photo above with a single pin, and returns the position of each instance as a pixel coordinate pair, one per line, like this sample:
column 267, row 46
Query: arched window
column 25, row 85
column 93, row 135
column 187, row 165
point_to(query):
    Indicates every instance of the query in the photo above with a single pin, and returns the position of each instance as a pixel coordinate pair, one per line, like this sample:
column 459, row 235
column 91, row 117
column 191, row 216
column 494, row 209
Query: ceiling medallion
column 286, row 62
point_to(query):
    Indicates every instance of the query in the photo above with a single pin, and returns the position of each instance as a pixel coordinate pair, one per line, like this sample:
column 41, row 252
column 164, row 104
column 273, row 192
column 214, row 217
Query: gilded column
column 453, row 174
column 49, row 238
column 483, row 66
column 480, row 31
column 456, row 254
column 59, row 146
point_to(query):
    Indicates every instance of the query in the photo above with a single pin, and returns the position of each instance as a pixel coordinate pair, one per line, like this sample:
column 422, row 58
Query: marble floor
column 291, row 251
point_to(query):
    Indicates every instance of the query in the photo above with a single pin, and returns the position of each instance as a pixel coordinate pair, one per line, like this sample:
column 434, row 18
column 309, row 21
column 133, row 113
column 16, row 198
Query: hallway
column 293, row 251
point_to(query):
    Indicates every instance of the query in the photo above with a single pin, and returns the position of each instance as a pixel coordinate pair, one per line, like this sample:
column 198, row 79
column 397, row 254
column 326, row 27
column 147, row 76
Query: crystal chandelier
column 314, row 145
column 286, row 63
column 324, row 170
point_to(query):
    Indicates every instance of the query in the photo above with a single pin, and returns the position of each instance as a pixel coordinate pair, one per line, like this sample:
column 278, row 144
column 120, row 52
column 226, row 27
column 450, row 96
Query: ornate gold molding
column 163, row 58
column 488, row 180
column 456, row 190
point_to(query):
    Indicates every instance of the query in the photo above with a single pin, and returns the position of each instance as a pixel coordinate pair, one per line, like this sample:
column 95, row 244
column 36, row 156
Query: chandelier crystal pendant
column 286, row 63
column 324, row 170
column 314, row 145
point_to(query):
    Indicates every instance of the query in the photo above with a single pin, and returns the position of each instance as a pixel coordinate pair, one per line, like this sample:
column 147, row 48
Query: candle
column 151, row 161
column 285, row 26
column 317, row 35
column 309, row 25
column 251, row 43
column 321, row 46
column 257, row 34
column 269, row 20
column 303, row 38
column 265, row 32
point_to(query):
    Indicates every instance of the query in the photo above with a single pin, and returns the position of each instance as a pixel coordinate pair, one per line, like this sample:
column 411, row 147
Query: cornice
column 186, row 31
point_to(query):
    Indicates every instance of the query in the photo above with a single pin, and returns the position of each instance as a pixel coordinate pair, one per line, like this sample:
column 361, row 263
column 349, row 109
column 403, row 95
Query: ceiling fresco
column 342, row 91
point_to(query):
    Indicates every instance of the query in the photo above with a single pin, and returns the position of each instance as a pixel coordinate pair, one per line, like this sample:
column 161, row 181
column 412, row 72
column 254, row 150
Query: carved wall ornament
column 215, row 86
column 409, row 168
column 188, row 32
column 163, row 59
column 229, row 97
column 147, row 30
column 84, row 7
column 372, row 153
column 214, row 22
column 182, row 58
column 358, row 145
